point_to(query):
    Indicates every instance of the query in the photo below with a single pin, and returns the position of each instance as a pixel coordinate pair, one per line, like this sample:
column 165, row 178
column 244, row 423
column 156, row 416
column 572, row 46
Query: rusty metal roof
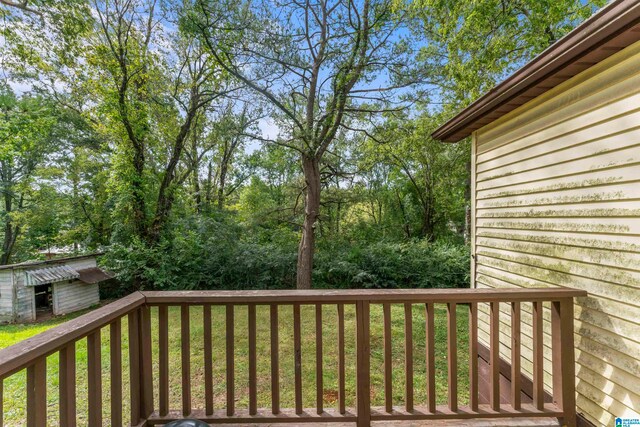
column 608, row 31
column 50, row 275
column 93, row 275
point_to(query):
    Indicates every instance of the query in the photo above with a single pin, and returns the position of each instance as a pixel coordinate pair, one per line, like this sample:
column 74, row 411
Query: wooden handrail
column 354, row 295
column 24, row 353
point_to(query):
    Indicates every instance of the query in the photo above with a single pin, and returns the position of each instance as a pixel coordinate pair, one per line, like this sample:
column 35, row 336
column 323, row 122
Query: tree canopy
column 253, row 143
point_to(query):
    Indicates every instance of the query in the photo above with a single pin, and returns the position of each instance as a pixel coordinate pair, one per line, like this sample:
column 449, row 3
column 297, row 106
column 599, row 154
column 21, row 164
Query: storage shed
column 55, row 287
column 556, row 200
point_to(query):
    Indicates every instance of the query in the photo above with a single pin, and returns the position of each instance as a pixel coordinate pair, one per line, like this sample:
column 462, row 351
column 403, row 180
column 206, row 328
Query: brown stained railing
column 138, row 309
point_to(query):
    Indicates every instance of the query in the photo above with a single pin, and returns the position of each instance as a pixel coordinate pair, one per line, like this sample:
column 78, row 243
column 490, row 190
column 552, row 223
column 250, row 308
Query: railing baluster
column 115, row 353
column 146, row 364
column 408, row 358
column 185, row 352
column 494, row 355
column 275, row 360
column 473, row 356
column 452, row 348
column 363, row 384
column 208, row 359
column 230, row 360
column 341, row 367
column 94, row 378
column 515, row 356
column 297, row 358
column 563, row 359
column 163, row 359
column 67, row 385
column 37, row 393
column 253, row 389
column 388, row 379
column 134, row 366
column 538, row 357
column 1, row 402
column 319, row 379
column 430, row 357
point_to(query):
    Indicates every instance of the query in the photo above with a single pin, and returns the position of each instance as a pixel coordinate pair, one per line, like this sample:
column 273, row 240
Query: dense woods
column 251, row 144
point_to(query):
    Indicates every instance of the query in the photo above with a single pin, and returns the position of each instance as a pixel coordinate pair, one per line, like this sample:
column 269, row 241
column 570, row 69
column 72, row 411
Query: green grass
column 14, row 386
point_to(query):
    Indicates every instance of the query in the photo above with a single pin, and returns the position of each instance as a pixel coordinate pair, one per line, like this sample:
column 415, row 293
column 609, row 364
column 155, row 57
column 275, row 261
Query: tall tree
column 319, row 65
column 152, row 95
column 25, row 140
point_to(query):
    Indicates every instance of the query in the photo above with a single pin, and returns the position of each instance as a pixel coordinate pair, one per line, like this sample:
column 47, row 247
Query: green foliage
column 138, row 127
column 473, row 44
column 215, row 253
column 412, row 264
column 205, row 253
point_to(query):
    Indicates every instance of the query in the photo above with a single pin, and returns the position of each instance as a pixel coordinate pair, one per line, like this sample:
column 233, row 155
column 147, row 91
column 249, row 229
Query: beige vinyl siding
column 557, row 203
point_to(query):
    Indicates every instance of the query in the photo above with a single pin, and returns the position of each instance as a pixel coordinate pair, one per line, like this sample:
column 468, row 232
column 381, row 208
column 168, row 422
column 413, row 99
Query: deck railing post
column 362, row 365
column 563, row 358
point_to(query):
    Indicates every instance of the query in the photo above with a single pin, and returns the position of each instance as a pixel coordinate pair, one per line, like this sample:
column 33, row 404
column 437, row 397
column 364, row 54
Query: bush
column 415, row 264
column 214, row 254
column 203, row 254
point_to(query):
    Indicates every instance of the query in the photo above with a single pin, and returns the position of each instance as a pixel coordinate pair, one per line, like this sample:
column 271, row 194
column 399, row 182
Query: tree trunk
column 428, row 216
column 221, row 183
column 5, row 257
column 10, row 232
column 208, row 186
column 166, row 194
column 427, row 224
column 311, row 169
column 197, row 197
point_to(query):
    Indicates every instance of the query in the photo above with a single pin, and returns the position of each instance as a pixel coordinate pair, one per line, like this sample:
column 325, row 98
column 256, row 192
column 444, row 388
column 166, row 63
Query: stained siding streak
column 557, row 203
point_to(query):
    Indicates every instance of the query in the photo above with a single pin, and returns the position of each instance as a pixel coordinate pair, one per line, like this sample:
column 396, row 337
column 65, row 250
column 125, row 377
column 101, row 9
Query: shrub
column 415, row 264
column 213, row 254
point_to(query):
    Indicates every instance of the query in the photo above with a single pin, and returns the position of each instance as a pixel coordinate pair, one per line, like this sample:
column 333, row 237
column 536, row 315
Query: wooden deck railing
column 31, row 355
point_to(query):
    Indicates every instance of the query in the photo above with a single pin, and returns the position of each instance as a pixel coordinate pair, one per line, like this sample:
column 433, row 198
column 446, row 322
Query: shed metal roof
column 50, row 275
column 608, row 31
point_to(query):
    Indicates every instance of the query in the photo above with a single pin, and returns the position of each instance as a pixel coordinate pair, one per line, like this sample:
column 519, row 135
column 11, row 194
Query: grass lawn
column 14, row 386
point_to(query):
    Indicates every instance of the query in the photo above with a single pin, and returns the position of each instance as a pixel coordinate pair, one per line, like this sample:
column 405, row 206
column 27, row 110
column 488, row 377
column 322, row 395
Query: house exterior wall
column 557, row 203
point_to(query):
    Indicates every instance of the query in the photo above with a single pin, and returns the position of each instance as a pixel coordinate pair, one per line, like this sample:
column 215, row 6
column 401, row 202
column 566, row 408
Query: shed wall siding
column 557, row 203
column 74, row 296
column 6, row 296
column 25, row 305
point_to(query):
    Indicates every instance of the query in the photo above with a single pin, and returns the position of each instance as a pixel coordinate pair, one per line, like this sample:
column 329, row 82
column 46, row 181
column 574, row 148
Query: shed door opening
column 43, row 299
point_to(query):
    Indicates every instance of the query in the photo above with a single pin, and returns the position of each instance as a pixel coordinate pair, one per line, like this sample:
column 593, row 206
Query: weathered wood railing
column 32, row 354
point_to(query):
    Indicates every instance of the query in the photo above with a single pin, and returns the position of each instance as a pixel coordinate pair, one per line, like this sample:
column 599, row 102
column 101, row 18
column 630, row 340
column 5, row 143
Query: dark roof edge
column 28, row 264
column 605, row 24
